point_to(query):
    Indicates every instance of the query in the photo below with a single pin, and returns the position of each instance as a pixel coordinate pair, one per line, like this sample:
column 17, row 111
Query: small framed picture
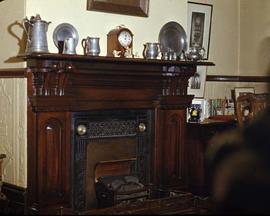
column 125, row 7
column 196, row 83
column 199, row 26
column 242, row 90
column 200, row 107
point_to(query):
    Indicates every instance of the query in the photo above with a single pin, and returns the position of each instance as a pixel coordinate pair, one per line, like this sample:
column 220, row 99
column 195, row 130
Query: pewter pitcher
column 151, row 50
column 36, row 31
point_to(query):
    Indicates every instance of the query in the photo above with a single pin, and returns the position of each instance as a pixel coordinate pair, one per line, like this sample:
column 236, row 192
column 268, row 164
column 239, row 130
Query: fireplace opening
column 111, row 157
column 117, row 182
column 115, row 168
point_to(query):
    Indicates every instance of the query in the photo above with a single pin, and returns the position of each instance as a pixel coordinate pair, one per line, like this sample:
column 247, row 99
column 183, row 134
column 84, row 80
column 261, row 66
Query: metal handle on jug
column 24, row 23
column 48, row 23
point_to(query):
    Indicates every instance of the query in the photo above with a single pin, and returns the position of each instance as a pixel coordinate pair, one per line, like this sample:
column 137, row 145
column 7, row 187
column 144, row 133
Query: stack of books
column 221, row 107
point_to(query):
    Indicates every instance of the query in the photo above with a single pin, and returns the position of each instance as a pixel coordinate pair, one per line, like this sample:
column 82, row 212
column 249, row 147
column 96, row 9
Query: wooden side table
column 198, row 137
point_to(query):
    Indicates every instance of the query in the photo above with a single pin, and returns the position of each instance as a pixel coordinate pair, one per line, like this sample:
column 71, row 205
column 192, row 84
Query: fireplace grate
column 112, row 190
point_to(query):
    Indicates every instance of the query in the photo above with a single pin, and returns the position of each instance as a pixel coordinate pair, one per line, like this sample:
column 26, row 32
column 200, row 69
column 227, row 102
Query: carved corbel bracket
column 175, row 80
column 52, row 80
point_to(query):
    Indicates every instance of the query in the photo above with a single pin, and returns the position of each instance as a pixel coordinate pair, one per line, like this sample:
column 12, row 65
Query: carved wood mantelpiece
column 59, row 85
column 115, row 79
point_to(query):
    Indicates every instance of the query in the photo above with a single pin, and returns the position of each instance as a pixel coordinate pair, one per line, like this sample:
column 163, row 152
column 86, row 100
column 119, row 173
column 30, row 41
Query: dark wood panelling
column 13, row 73
column 221, row 78
column 54, row 155
column 173, row 153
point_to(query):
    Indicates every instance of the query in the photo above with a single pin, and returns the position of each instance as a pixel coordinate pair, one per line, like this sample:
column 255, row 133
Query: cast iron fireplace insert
column 109, row 137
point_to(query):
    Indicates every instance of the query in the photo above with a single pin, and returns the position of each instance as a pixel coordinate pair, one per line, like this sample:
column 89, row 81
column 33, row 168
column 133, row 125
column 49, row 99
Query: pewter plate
column 172, row 38
column 64, row 31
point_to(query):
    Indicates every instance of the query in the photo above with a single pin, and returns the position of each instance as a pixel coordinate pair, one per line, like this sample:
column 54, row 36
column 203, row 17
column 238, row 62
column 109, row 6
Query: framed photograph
column 199, row 26
column 242, row 90
column 196, row 83
column 200, row 107
column 126, row 7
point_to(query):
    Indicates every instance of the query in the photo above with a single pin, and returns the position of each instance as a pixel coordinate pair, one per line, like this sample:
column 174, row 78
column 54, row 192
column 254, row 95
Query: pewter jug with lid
column 36, row 30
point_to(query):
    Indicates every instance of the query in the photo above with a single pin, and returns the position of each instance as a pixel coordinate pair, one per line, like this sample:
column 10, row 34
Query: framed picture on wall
column 199, row 26
column 126, row 7
column 196, row 83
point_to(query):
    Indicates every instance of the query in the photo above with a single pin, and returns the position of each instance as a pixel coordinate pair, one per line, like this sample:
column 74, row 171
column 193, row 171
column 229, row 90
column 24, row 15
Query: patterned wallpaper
column 13, row 130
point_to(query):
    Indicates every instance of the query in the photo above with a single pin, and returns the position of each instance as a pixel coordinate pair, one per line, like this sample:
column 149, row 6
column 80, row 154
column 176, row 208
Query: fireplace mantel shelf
column 60, row 86
column 115, row 60
column 71, row 82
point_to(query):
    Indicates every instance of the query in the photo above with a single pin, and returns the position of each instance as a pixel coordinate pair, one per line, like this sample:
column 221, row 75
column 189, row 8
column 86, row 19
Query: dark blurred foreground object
column 3, row 198
column 240, row 166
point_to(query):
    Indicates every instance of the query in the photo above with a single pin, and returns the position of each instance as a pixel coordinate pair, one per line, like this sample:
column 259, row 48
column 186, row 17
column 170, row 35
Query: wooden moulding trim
column 220, row 78
column 13, row 73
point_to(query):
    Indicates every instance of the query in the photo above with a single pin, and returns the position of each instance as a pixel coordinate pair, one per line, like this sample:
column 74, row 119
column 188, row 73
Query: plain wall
column 13, row 97
column 98, row 24
column 11, row 32
column 255, row 37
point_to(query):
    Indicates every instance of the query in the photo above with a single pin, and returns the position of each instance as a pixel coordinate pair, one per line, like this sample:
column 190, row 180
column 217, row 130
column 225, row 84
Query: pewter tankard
column 69, row 46
column 91, row 46
column 36, row 30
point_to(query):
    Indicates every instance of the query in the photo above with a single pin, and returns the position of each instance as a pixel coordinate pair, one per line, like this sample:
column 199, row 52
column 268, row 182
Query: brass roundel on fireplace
column 81, row 130
column 142, row 127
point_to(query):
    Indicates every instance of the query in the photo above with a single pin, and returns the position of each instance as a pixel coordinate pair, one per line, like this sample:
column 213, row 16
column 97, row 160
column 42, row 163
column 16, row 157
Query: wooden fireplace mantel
column 59, row 85
column 84, row 82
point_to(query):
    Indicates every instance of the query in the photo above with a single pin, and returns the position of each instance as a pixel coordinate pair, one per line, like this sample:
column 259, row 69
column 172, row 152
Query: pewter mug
column 69, row 46
column 151, row 50
column 36, row 30
column 91, row 46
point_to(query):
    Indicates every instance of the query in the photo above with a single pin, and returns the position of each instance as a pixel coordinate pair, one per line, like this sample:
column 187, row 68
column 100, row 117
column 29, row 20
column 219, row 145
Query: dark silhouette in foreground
column 239, row 164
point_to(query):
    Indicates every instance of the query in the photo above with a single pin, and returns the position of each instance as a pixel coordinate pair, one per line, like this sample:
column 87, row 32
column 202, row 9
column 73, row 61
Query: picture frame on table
column 199, row 26
column 127, row 7
column 196, row 83
column 201, row 106
column 242, row 90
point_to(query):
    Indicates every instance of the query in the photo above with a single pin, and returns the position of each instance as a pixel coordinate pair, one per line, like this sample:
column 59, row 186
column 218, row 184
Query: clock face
column 125, row 38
